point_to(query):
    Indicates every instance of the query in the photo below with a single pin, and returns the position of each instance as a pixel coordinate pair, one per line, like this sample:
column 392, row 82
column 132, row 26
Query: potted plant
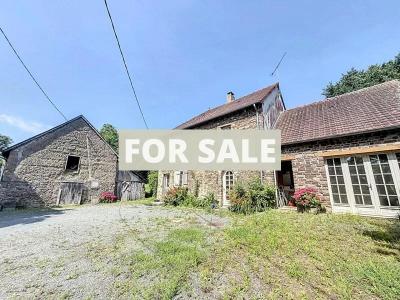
column 307, row 200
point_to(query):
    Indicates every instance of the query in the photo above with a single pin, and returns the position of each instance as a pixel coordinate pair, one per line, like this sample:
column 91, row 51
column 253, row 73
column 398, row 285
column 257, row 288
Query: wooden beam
column 287, row 157
column 360, row 150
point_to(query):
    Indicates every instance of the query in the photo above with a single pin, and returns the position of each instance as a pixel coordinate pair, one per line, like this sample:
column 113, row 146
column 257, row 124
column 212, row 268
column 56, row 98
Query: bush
column 207, row 201
column 180, row 196
column 307, row 198
column 254, row 197
column 152, row 182
column 107, row 197
column 176, row 196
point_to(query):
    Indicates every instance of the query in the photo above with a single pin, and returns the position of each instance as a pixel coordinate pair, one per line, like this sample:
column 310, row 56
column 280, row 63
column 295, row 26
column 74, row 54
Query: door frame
column 225, row 201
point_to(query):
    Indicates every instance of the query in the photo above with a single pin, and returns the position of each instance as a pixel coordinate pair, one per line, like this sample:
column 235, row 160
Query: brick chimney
column 230, row 97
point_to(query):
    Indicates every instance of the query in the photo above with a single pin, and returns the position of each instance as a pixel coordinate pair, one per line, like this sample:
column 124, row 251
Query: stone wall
column 35, row 170
column 309, row 166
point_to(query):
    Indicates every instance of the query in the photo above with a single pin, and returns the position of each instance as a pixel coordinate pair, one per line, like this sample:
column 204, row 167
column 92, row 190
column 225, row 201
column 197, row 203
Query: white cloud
column 24, row 125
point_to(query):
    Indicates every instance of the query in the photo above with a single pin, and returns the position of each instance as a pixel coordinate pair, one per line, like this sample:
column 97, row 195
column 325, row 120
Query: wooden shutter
column 185, row 178
column 177, row 178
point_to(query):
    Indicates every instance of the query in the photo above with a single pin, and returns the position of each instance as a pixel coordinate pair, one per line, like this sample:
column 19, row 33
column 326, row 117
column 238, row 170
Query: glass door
column 365, row 184
column 384, row 180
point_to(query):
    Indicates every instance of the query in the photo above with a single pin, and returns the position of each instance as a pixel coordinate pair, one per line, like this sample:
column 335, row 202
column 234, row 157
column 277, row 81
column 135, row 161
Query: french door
column 365, row 184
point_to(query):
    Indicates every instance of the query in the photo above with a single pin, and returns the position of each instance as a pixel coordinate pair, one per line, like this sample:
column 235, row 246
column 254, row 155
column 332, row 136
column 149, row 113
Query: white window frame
column 181, row 178
column 375, row 208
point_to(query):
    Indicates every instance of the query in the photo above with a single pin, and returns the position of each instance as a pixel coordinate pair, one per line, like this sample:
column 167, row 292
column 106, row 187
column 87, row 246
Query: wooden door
column 70, row 193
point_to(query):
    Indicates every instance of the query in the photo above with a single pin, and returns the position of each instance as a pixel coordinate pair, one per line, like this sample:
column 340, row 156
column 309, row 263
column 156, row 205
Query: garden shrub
column 107, row 197
column 307, row 198
column 176, row 196
column 254, row 197
column 180, row 196
column 208, row 201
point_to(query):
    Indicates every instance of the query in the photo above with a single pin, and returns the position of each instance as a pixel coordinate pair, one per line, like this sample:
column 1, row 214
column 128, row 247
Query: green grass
column 292, row 255
column 269, row 255
column 161, row 269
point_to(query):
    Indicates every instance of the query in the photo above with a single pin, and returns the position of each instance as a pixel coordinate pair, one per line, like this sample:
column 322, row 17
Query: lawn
column 275, row 254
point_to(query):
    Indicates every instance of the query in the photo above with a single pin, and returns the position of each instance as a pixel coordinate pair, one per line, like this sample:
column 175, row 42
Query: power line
column 30, row 74
column 126, row 67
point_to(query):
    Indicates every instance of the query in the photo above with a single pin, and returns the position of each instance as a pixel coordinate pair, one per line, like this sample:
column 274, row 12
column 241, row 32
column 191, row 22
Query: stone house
column 70, row 163
column 347, row 147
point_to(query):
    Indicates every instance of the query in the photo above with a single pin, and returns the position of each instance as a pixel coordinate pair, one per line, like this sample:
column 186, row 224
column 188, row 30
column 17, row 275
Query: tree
column 110, row 135
column 357, row 79
column 152, row 182
column 5, row 141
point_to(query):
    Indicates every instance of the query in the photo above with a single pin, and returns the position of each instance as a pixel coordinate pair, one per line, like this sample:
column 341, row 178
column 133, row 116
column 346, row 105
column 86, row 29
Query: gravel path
column 43, row 253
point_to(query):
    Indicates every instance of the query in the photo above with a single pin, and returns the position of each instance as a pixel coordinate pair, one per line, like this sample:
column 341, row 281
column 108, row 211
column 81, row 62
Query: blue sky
column 184, row 55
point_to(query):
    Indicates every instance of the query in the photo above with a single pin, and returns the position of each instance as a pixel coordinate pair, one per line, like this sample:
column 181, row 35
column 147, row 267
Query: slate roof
column 228, row 108
column 366, row 110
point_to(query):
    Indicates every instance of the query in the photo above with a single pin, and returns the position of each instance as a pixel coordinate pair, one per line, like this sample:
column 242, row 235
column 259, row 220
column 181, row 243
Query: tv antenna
column 277, row 66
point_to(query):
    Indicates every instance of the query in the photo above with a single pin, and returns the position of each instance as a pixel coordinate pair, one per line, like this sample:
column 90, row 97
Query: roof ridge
column 235, row 102
column 56, row 128
column 346, row 94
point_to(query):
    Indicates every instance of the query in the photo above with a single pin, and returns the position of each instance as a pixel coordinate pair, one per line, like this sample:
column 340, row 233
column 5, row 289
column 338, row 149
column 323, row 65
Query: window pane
column 394, row 201
column 381, row 189
column 359, row 160
column 378, row 179
column 391, row 190
column 350, row 161
column 330, row 162
column 331, row 170
column 356, row 189
column 367, row 200
column 336, row 198
column 342, row 189
column 376, row 169
column 385, row 169
column 340, row 179
column 339, row 171
column 334, row 189
column 361, row 169
column 333, row 179
column 358, row 199
column 383, row 200
column 344, row 198
column 363, row 179
column 354, row 179
column 365, row 189
column 373, row 159
column 383, row 158
column 388, row 179
column 337, row 161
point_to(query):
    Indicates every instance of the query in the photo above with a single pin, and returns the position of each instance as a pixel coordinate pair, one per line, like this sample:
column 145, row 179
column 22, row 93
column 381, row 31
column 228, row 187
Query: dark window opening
column 226, row 127
column 72, row 163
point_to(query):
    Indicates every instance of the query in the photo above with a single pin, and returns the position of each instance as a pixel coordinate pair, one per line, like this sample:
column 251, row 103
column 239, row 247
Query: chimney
column 230, row 97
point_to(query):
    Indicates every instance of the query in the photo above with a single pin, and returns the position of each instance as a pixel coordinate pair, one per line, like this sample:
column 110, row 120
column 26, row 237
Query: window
column 181, row 178
column 226, row 127
column 229, row 182
column 398, row 158
column 337, row 181
column 72, row 163
column 384, row 180
column 359, row 181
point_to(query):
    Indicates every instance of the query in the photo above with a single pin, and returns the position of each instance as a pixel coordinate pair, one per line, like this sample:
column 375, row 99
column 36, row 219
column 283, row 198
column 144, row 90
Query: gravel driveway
column 43, row 253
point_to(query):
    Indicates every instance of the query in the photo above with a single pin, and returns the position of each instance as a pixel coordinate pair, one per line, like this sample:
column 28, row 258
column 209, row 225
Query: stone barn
column 68, row 164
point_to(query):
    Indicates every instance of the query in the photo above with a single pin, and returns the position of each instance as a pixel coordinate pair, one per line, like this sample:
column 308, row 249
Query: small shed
column 130, row 185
